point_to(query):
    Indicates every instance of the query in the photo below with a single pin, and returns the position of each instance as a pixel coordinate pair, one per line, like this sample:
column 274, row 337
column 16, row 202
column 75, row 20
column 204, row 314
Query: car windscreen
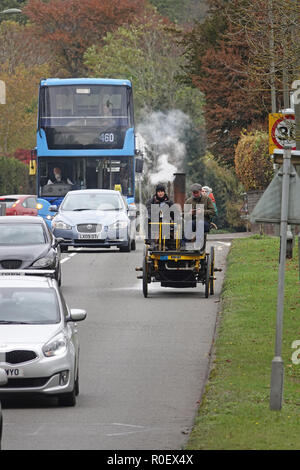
column 92, row 201
column 28, row 306
column 22, row 234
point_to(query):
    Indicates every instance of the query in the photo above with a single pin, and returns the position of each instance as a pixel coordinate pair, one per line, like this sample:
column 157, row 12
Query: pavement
column 228, row 236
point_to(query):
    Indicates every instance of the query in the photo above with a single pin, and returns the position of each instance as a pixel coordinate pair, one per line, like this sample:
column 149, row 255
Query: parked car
column 26, row 242
column 20, row 204
column 3, row 381
column 38, row 337
column 94, row 218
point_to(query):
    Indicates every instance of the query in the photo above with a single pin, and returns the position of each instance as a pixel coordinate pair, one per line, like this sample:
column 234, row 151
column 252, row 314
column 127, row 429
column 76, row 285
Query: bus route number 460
column 107, row 137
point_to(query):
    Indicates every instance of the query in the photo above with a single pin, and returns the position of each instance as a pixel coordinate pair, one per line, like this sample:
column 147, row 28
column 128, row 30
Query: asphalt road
column 143, row 362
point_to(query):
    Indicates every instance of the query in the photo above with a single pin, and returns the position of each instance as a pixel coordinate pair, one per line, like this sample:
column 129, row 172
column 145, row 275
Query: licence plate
column 14, row 373
column 10, row 273
column 89, row 236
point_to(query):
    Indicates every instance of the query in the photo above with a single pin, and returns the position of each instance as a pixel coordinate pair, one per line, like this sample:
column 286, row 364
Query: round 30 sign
column 282, row 130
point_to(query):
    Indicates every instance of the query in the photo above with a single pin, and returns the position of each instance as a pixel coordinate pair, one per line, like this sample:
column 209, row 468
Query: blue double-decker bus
column 85, row 137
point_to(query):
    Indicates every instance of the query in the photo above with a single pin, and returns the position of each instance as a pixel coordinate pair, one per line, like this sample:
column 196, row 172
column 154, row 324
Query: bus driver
column 57, row 177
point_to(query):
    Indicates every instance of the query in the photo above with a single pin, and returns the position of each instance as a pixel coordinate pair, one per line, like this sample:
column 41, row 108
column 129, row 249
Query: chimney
column 179, row 189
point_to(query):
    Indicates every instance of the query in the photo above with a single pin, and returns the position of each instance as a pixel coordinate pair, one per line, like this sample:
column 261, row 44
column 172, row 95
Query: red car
column 20, row 204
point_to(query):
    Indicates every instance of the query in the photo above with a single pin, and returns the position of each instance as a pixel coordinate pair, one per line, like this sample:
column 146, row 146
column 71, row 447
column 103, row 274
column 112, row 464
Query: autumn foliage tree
column 229, row 106
column 216, row 65
column 71, row 26
column 253, row 164
column 18, row 115
column 19, row 46
column 271, row 32
column 243, row 54
column 146, row 53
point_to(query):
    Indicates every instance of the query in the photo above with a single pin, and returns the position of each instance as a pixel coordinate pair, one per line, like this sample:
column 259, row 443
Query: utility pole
column 297, row 132
column 272, row 63
column 277, row 370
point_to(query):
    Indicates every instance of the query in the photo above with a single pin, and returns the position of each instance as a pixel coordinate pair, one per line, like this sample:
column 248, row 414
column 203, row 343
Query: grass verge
column 234, row 413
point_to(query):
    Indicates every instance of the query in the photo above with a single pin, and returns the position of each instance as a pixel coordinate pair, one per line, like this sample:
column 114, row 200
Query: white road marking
column 64, row 260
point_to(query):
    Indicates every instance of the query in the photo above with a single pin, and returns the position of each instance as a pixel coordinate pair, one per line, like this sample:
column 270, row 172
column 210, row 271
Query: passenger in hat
column 207, row 191
column 195, row 199
column 160, row 197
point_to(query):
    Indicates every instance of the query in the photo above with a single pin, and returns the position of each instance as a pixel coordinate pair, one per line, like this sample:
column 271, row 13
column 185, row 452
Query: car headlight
column 43, row 262
column 61, row 225
column 119, row 225
column 56, row 346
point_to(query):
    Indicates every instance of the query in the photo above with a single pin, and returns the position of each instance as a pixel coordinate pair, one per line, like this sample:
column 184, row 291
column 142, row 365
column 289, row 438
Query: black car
column 26, row 242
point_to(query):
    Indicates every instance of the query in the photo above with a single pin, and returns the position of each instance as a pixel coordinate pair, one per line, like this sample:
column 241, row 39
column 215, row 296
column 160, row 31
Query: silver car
column 39, row 347
column 3, row 381
column 95, row 218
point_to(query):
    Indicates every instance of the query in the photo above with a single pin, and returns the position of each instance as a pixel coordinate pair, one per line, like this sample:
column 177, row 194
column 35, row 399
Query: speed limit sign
column 282, row 131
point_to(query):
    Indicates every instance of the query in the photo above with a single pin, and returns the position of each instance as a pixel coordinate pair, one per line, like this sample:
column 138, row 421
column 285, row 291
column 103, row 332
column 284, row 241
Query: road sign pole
column 277, row 370
column 297, row 133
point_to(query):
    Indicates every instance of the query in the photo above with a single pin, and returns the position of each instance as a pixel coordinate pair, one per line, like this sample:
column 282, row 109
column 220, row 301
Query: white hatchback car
column 39, row 347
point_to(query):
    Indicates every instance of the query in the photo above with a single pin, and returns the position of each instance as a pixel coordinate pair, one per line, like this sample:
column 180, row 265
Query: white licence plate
column 89, row 236
column 14, row 373
column 10, row 273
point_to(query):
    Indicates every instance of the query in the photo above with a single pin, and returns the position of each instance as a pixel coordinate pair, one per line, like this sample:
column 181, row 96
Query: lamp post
column 11, row 10
column 277, row 370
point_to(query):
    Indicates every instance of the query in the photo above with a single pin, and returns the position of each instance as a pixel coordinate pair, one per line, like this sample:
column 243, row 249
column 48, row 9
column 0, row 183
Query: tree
column 226, row 188
column 146, row 53
column 270, row 29
column 18, row 115
column 253, row 164
column 71, row 26
column 181, row 11
column 18, row 46
column 229, row 105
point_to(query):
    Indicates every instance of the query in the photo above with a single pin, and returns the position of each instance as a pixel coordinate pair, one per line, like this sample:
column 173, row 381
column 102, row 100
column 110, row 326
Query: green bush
column 253, row 164
column 14, row 177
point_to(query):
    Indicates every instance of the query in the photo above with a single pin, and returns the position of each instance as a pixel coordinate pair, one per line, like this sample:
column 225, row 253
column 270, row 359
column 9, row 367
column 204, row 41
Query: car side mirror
column 77, row 314
column 3, row 377
column 139, row 163
column 53, row 208
column 57, row 241
column 131, row 210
